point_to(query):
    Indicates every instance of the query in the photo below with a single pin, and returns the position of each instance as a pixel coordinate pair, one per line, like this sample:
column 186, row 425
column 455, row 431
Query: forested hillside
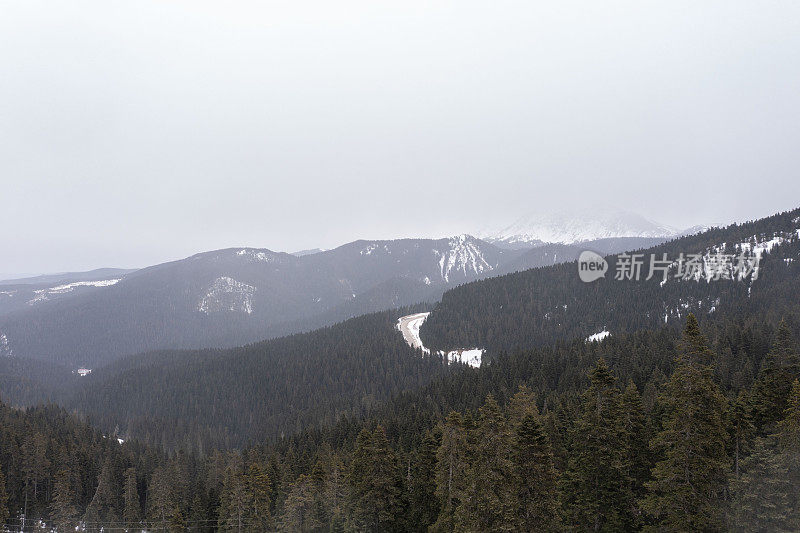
column 597, row 450
column 544, row 305
column 348, row 429
column 226, row 398
column 203, row 399
column 26, row 382
column 227, row 298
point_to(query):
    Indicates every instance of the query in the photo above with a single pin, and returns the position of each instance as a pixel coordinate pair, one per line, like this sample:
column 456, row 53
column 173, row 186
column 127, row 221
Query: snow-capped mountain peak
column 463, row 255
column 567, row 227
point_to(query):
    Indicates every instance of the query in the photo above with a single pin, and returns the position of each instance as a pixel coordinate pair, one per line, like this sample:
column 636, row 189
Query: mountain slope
column 544, row 305
column 234, row 296
column 230, row 297
column 261, row 391
column 20, row 294
column 279, row 387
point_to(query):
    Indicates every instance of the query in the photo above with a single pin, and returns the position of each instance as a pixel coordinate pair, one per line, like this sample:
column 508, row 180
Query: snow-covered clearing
column 471, row 357
column 600, row 335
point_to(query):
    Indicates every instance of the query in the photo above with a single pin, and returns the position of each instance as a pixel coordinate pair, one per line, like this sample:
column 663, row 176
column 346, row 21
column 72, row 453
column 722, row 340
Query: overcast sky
column 137, row 132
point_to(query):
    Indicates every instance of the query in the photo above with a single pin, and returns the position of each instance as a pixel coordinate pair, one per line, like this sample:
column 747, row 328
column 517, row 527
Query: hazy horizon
column 134, row 134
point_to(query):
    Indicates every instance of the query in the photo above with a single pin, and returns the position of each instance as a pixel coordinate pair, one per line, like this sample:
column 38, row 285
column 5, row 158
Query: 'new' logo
column 591, row 266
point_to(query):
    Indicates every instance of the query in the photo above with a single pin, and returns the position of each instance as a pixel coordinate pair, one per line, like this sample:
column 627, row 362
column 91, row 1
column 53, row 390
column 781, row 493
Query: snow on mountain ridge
column 463, row 255
column 43, row 294
column 256, row 255
column 570, row 228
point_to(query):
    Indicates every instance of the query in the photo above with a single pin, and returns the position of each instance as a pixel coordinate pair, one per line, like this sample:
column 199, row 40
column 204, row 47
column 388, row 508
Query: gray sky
column 137, row 132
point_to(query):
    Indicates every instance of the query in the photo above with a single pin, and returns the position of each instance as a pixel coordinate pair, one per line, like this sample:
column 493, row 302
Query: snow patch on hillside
column 471, row 357
column 227, row 294
column 462, row 256
column 369, row 250
column 44, row 294
column 599, row 336
column 5, row 347
column 743, row 264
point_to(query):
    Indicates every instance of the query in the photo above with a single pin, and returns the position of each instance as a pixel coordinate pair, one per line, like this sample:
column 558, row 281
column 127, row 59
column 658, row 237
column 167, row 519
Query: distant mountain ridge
column 234, row 296
column 547, row 305
column 159, row 393
column 571, row 227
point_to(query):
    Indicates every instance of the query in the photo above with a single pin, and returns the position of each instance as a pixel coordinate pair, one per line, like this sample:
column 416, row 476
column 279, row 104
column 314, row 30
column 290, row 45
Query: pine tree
column 258, row 488
column 423, row 506
column 161, row 503
column 4, row 513
column 638, row 461
column 374, row 482
column 177, row 520
column 336, row 491
column 686, row 491
column 102, row 508
column 132, row 510
column 596, row 487
column 297, row 514
column 522, row 404
column 789, row 446
column 451, row 464
column 234, row 498
column 761, row 493
column 535, row 479
column 489, row 497
column 63, row 505
column 741, row 428
column 774, row 381
column 319, row 506
column 35, row 463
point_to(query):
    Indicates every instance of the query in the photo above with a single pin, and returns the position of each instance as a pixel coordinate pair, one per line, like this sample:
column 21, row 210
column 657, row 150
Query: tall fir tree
column 489, row 501
column 740, row 428
column 761, row 492
column 132, row 507
column 788, row 437
column 596, row 486
column 4, row 512
column 638, row 460
column 375, row 483
column 537, row 497
column 258, row 514
column 423, row 506
column 319, row 476
column 161, row 502
column 687, row 489
column 451, row 464
column 774, row 381
column 63, row 507
column 335, row 492
column 298, row 515
column 234, row 497
column 102, row 508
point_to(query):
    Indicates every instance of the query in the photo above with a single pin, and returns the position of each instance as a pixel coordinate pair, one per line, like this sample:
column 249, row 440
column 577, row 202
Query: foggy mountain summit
column 577, row 225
